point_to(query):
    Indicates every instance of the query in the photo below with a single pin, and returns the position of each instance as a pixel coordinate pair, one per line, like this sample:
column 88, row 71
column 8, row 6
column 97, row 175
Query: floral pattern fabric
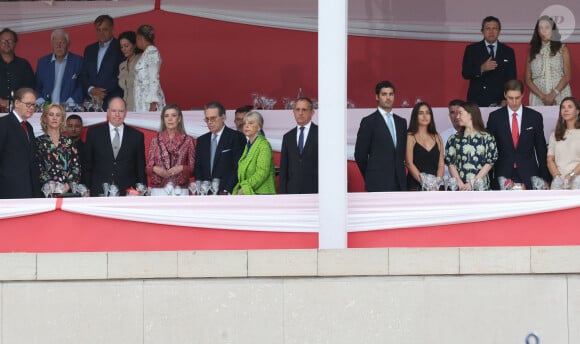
column 147, row 87
column 469, row 153
column 165, row 152
column 59, row 163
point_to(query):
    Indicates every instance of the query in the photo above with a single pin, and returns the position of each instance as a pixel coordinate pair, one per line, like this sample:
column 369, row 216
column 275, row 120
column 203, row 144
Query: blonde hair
column 44, row 116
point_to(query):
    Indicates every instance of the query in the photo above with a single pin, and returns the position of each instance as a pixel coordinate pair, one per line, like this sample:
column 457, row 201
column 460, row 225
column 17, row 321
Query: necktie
column 515, row 133
column 213, row 148
column 116, row 142
column 491, row 53
column 515, row 130
column 391, row 126
column 301, row 141
column 23, row 124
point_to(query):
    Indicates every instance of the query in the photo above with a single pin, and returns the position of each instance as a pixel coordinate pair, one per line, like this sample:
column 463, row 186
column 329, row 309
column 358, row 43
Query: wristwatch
column 572, row 174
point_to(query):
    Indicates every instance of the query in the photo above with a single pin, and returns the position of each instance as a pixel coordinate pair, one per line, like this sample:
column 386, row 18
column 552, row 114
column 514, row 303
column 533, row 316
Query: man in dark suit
column 100, row 74
column 519, row 135
column 487, row 65
column 15, row 72
column 381, row 142
column 227, row 146
column 19, row 173
column 114, row 153
column 299, row 154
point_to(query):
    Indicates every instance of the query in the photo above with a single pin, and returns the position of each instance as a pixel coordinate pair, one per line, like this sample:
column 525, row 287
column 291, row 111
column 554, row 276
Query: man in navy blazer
column 101, row 165
column 299, row 169
column 527, row 158
column 487, row 65
column 381, row 142
column 229, row 147
column 100, row 73
column 19, row 173
column 58, row 75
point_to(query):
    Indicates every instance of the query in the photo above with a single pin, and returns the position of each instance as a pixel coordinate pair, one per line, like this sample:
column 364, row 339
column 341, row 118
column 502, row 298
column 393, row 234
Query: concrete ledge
column 555, row 259
column 354, row 262
column 290, row 263
column 72, row 266
column 494, row 260
column 142, row 264
column 17, row 266
column 265, row 263
column 423, row 261
column 212, row 264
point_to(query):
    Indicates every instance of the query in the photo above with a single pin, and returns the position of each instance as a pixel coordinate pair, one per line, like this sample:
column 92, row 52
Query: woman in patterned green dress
column 471, row 152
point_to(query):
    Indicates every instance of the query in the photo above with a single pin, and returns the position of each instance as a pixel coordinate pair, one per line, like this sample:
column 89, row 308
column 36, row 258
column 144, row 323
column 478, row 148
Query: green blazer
column 256, row 174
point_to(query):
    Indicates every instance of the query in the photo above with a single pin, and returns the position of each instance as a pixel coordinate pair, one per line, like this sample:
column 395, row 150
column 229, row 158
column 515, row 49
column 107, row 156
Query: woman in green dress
column 256, row 166
column 472, row 151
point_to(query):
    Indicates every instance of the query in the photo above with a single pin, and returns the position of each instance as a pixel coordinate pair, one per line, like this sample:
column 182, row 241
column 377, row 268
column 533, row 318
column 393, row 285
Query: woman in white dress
column 547, row 65
column 148, row 93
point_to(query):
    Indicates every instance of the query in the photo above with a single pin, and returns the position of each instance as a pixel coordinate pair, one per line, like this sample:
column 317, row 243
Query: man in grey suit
column 381, row 142
column 299, row 154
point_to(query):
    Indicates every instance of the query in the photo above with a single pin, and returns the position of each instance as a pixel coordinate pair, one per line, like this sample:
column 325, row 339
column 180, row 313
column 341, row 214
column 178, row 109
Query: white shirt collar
column 53, row 59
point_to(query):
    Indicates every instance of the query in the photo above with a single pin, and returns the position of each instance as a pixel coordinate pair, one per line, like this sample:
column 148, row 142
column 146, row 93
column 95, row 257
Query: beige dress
column 566, row 152
column 546, row 74
column 127, row 81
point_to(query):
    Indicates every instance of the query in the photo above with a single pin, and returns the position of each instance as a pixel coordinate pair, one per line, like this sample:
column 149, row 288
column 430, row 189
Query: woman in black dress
column 424, row 147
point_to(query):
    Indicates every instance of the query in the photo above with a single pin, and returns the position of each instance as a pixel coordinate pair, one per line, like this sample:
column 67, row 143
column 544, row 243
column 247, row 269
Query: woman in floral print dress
column 58, row 159
column 471, row 152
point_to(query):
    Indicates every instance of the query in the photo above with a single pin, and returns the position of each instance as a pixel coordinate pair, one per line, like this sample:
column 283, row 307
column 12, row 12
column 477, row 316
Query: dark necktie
column 491, row 53
column 212, row 147
column 301, row 141
column 23, row 124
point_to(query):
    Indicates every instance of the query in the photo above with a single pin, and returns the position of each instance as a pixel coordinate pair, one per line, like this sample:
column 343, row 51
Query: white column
column 332, row 40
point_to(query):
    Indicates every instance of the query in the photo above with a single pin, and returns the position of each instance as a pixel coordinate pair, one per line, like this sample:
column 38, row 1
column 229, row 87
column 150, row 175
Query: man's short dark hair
column 490, row 19
column 455, row 102
column 75, row 116
column 383, row 84
column 244, row 109
column 308, row 100
column 10, row 31
column 104, row 17
column 216, row 105
column 513, row 85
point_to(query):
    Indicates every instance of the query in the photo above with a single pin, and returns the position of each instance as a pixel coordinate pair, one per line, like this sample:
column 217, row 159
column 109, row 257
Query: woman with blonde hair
column 57, row 155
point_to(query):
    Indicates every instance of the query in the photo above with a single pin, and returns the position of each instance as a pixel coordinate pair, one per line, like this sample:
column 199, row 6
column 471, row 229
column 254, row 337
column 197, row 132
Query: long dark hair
column 476, row 119
column 536, row 42
column 561, row 123
column 414, row 121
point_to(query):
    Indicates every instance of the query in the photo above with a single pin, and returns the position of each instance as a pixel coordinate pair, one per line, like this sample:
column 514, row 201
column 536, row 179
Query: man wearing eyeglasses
column 19, row 174
column 217, row 152
column 15, row 72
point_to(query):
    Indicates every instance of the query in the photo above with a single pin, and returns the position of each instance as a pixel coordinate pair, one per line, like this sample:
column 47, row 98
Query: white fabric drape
column 449, row 20
column 299, row 213
column 30, row 16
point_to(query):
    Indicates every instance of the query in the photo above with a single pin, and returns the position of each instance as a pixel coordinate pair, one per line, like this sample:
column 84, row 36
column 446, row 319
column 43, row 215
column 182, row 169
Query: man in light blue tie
column 380, row 144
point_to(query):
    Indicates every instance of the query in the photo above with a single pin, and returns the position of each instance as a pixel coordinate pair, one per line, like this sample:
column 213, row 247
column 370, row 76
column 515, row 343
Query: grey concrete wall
column 440, row 295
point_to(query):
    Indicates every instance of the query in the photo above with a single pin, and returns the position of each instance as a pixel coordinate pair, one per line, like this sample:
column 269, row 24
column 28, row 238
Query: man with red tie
column 19, row 174
column 519, row 134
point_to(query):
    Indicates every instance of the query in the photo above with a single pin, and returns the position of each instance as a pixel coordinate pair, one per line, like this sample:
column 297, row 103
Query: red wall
column 206, row 60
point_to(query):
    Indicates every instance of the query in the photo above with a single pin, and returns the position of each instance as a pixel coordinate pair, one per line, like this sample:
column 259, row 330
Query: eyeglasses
column 28, row 105
column 7, row 41
column 211, row 119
